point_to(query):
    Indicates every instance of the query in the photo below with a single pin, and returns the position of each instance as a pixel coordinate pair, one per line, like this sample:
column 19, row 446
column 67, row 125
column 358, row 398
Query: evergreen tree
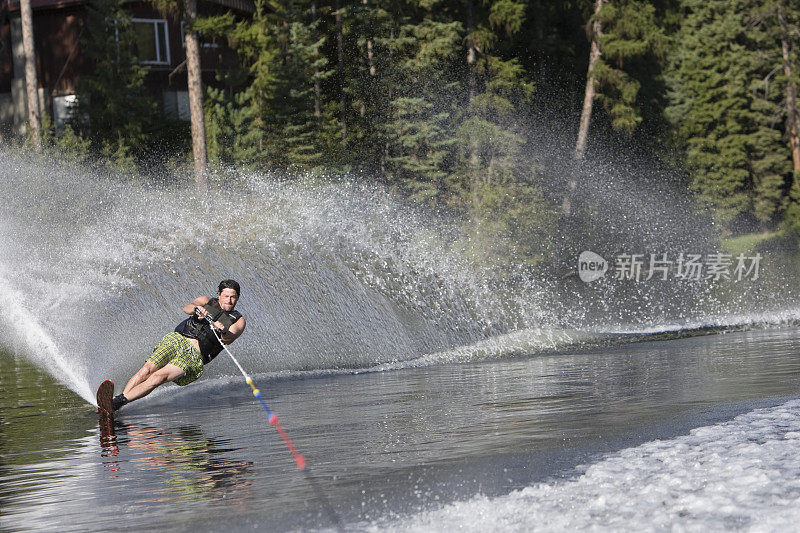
column 232, row 139
column 724, row 116
column 507, row 212
column 421, row 125
column 371, row 75
column 776, row 26
column 285, row 65
column 632, row 44
column 303, row 68
column 509, row 219
column 256, row 42
column 113, row 110
column 771, row 151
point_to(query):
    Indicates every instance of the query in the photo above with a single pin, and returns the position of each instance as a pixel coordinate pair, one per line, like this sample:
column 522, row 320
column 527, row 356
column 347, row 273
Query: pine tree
column 723, row 114
column 507, row 212
column 304, row 67
column 113, row 109
column 776, row 26
column 371, row 75
column 232, row 138
column 286, row 66
column 419, row 129
column 632, row 44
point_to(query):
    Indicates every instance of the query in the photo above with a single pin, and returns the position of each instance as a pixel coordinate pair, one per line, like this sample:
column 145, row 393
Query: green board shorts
column 175, row 349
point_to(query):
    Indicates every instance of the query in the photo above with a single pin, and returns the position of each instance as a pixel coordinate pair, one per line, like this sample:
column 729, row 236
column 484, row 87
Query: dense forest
column 464, row 105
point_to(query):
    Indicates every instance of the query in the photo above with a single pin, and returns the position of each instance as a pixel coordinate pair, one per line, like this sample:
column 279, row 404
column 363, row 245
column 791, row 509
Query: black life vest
column 200, row 329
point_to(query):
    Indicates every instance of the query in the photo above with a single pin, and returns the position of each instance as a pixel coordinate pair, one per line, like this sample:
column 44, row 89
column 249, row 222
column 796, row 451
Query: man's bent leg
column 168, row 372
column 139, row 377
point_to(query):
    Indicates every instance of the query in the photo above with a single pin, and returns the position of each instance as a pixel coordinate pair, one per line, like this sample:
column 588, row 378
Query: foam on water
column 740, row 474
column 778, row 317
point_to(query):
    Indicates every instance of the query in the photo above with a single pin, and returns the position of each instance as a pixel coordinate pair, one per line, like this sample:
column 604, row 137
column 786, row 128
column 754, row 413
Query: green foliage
column 114, row 111
column 169, row 7
column 294, row 93
column 512, row 225
column 726, row 121
column 435, row 97
column 507, row 15
column 747, row 243
column 69, row 146
column 631, row 44
column 774, row 23
column 509, row 219
column 421, row 146
column 231, row 138
column 272, row 118
column 419, row 127
column 792, row 220
column 510, row 222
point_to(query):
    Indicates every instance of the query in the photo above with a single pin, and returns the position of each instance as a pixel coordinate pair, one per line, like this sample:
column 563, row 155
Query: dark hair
column 229, row 284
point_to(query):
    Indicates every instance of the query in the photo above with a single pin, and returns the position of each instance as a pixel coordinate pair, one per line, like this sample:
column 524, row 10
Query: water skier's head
column 228, row 294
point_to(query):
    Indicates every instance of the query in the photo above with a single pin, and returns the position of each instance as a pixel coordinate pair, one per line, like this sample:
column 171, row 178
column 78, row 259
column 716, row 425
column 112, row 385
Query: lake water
column 700, row 432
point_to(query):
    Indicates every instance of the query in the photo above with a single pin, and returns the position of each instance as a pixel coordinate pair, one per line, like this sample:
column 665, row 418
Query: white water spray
column 336, row 276
column 40, row 346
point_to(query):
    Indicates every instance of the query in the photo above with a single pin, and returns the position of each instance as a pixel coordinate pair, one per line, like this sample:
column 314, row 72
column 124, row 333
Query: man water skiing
column 180, row 355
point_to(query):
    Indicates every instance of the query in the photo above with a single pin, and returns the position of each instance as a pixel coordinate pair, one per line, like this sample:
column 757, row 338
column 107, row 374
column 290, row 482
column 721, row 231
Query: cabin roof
column 245, row 6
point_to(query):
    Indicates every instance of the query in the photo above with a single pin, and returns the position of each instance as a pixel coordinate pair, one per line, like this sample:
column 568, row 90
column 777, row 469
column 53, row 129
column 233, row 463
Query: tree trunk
column 474, row 161
column 471, row 53
column 196, row 100
column 588, row 100
column 31, row 80
column 588, row 97
column 317, row 88
column 792, row 129
column 340, row 50
column 370, row 64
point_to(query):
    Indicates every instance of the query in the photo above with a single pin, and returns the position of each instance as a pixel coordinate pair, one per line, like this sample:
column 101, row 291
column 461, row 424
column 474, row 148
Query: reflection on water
column 51, row 464
column 190, row 465
column 108, row 438
column 378, row 443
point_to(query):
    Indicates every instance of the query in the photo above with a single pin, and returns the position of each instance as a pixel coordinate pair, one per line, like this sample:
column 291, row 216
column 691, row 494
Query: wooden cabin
column 58, row 26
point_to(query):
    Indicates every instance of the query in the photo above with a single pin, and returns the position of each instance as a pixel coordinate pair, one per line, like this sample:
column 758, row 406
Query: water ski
column 105, row 393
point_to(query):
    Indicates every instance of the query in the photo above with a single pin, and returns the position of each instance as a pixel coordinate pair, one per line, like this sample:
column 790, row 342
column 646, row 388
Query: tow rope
column 272, row 418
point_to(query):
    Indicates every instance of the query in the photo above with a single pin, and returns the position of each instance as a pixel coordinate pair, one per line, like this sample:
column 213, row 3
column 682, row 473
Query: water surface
column 381, row 446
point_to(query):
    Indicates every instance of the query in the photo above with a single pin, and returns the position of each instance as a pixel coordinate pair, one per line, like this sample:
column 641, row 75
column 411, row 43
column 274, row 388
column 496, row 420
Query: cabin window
column 203, row 44
column 152, row 42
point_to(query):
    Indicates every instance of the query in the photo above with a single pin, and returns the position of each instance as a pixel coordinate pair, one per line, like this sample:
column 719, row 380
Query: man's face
column 228, row 299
